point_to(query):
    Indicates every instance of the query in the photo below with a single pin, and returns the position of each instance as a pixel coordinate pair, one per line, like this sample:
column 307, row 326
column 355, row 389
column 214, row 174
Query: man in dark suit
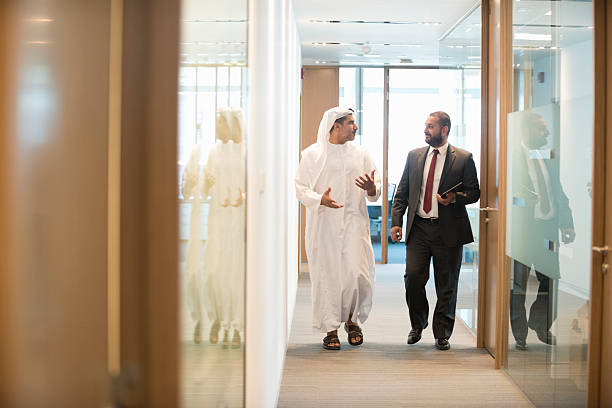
column 437, row 225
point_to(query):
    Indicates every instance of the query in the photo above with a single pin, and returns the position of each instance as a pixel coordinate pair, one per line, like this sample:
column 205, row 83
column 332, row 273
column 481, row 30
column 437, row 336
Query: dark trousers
column 424, row 242
column 542, row 310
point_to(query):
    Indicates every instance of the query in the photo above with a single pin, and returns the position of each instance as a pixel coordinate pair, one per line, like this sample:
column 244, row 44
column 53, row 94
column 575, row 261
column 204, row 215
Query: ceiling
column 382, row 32
column 411, row 32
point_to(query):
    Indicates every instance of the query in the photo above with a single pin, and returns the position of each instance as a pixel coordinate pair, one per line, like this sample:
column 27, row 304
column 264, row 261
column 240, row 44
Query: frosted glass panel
column 550, row 157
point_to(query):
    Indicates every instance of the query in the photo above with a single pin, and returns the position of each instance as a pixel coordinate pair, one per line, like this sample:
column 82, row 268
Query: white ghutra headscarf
column 327, row 122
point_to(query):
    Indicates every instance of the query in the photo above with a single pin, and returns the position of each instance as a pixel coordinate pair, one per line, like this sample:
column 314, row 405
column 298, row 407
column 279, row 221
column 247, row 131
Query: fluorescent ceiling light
column 548, row 13
column 368, row 44
column 376, row 22
column 372, row 55
column 532, row 37
column 214, row 21
column 474, row 57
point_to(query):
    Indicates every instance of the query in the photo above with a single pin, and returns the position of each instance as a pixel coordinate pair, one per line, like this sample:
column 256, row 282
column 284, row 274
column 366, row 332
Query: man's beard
column 435, row 140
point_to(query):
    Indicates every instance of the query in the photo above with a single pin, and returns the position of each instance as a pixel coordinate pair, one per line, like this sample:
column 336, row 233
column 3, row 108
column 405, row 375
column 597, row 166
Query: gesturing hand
column 327, row 201
column 366, row 182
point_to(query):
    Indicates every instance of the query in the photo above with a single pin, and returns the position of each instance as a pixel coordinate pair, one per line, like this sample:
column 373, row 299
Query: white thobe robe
column 191, row 187
column 224, row 255
column 338, row 246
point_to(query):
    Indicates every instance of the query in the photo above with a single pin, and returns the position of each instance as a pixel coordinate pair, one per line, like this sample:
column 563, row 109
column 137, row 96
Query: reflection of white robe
column 224, row 260
column 190, row 187
column 340, row 255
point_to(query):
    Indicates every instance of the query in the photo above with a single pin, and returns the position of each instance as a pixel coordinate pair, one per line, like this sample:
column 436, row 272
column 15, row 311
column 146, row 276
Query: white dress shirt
column 433, row 213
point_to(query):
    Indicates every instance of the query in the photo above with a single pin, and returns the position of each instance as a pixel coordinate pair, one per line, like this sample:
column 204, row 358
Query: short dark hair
column 442, row 118
column 341, row 120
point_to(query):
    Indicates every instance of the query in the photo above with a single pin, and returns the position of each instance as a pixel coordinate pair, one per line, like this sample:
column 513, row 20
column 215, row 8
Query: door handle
column 487, row 209
column 604, row 252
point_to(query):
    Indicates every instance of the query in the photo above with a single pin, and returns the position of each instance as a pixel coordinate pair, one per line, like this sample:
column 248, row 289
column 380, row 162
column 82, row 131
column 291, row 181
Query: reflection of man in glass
column 540, row 210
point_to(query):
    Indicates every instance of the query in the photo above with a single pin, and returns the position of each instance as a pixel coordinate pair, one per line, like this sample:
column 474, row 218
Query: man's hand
column 396, row 234
column 567, row 235
column 327, row 201
column 366, row 182
column 450, row 197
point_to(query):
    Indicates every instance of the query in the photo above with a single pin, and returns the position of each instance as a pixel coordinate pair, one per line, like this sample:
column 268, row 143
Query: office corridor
column 385, row 371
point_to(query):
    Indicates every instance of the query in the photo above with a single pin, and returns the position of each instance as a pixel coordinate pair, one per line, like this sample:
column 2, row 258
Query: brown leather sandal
column 354, row 331
column 329, row 340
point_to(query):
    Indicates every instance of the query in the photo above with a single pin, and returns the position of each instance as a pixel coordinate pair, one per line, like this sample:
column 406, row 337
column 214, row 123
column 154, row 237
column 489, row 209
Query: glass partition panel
column 362, row 89
column 413, row 95
column 461, row 47
column 212, row 124
column 549, row 199
column 372, row 114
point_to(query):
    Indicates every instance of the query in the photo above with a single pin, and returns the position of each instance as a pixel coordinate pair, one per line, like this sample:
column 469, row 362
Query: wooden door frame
column 505, row 107
column 149, row 292
column 484, row 163
column 600, row 132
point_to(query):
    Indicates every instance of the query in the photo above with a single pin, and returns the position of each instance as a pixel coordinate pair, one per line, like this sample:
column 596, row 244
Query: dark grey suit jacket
column 454, row 221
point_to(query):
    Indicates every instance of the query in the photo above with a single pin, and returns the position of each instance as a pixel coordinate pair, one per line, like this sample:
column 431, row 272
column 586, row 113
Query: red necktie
column 429, row 185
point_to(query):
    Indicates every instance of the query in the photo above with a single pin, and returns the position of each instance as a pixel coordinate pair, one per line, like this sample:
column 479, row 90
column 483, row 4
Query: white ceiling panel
column 415, row 37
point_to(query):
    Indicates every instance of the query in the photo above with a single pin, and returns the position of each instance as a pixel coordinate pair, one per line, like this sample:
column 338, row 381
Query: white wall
column 272, row 156
column 293, row 154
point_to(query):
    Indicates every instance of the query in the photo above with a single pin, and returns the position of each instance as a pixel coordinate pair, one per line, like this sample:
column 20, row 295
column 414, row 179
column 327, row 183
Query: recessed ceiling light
column 351, row 55
column 474, row 57
column 372, row 55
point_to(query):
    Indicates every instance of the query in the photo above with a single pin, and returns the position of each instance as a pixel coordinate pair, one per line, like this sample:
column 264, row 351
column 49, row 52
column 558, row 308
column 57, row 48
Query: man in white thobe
column 333, row 179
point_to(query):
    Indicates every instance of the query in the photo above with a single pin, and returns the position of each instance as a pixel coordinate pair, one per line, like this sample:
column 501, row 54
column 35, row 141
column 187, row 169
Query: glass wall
column 462, row 45
column 211, row 168
column 413, row 95
column 362, row 89
column 549, row 199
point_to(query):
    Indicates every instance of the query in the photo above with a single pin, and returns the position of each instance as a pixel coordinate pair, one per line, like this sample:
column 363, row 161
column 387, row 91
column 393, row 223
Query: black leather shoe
column 442, row 344
column 521, row 345
column 415, row 335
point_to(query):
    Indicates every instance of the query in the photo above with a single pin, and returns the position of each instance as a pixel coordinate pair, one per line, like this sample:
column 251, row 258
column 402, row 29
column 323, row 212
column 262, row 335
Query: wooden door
column 54, row 171
column 88, row 242
column 599, row 392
